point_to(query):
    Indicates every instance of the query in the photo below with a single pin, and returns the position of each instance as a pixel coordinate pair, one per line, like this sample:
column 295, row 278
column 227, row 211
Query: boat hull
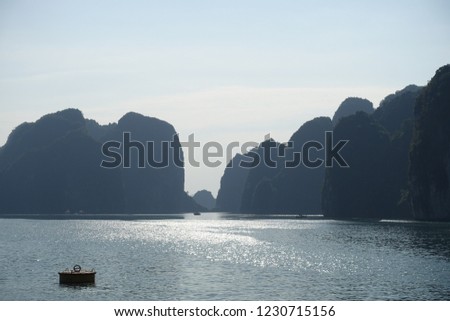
column 76, row 277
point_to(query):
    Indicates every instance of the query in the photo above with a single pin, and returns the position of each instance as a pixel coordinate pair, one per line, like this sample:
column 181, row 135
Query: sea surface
column 225, row 257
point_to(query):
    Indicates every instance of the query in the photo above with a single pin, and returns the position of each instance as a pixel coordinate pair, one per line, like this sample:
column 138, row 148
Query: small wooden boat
column 76, row 276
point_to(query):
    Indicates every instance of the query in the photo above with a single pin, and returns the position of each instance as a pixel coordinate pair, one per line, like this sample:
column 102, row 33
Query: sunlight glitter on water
column 161, row 259
column 237, row 242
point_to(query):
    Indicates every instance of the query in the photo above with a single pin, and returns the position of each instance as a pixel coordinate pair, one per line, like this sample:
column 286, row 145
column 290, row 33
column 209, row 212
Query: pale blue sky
column 223, row 70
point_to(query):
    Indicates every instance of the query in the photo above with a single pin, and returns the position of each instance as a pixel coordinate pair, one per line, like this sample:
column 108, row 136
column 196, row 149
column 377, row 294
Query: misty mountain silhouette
column 232, row 185
column 376, row 183
column 53, row 166
column 206, row 199
column 351, row 106
column 398, row 157
column 258, row 195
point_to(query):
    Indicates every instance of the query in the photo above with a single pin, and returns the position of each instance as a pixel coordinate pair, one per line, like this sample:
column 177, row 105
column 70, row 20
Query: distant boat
column 197, row 213
column 76, row 276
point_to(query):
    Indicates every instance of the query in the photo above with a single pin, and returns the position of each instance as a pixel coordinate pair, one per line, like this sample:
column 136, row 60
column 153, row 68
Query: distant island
column 206, row 199
column 398, row 157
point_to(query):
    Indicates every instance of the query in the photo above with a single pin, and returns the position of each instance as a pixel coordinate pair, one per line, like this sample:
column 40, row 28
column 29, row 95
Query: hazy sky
column 223, row 70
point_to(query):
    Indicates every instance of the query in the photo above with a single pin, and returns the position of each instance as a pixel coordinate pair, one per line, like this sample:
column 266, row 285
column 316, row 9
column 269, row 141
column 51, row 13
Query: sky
column 225, row 71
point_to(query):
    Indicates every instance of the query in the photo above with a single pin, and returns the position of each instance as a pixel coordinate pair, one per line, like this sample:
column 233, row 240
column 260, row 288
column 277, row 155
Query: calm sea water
column 220, row 257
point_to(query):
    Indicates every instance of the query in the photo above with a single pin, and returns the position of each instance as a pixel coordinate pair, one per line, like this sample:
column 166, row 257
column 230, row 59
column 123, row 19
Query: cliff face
column 397, row 108
column 357, row 191
column 430, row 150
column 273, row 187
column 259, row 194
column 149, row 189
column 53, row 166
column 298, row 189
column 376, row 183
column 232, row 185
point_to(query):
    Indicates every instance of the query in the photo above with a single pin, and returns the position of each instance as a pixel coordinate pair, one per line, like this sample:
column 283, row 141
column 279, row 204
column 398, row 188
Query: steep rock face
column 149, row 189
column 376, row 183
column 430, row 151
column 232, row 185
column 397, row 108
column 357, row 191
column 44, row 132
column 298, row 189
column 259, row 194
column 205, row 198
column 351, row 106
column 52, row 166
column 396, row 115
